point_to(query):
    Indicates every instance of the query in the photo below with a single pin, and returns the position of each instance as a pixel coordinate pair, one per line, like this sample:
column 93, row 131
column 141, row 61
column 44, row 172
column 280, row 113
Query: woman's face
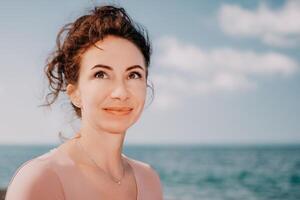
column 111, row 89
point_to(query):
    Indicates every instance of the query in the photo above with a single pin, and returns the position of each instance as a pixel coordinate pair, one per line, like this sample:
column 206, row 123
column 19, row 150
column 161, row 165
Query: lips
column 118, row 110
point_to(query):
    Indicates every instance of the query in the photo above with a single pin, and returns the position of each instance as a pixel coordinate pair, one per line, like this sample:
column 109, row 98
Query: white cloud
column 279, row 27
column 231, row 81
column 179, row 56
column 186, row 70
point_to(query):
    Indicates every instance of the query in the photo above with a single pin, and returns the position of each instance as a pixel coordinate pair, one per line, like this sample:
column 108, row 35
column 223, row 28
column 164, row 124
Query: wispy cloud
column 187, row 70
column 279, row 27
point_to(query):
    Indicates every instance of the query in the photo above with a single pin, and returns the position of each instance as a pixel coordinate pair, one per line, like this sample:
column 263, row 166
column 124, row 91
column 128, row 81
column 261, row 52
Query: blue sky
column 225, row 72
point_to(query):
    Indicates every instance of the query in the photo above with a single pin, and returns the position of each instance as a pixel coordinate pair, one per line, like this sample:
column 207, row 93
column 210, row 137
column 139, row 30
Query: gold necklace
column 118, row 181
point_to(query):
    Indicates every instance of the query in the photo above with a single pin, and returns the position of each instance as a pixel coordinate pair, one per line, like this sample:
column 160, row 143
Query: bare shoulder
column 149, row 176
column 147, row 169
column 32, row 180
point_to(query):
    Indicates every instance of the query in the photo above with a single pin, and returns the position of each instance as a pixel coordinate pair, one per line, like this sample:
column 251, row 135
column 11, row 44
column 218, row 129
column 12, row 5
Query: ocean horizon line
column 174, row 144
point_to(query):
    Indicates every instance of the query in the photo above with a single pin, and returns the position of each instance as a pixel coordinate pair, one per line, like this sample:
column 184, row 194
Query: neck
column 105, row 148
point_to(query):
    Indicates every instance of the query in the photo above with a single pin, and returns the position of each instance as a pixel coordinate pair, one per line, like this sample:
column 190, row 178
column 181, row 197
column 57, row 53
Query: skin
column 102, row 133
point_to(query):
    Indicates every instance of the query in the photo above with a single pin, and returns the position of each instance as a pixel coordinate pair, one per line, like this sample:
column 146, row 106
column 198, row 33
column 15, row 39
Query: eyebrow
column 110, row 68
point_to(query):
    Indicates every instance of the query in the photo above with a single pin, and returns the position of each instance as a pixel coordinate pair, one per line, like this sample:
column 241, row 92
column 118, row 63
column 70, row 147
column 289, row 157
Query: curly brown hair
column 62, row 66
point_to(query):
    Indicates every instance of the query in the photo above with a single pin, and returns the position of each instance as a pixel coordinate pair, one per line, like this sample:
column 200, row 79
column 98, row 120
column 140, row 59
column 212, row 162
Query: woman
column 101, row 62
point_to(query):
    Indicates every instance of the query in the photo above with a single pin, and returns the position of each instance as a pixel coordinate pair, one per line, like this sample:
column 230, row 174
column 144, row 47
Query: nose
column 120, row 91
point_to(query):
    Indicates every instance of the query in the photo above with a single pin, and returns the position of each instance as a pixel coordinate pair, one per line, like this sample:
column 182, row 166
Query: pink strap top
column 55, row 176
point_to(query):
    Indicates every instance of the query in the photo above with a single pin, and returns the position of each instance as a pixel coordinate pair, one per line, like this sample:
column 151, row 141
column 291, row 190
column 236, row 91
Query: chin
column 117, row 125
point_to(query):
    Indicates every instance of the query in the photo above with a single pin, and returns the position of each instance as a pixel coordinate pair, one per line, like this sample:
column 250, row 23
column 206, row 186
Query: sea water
column 197, row 172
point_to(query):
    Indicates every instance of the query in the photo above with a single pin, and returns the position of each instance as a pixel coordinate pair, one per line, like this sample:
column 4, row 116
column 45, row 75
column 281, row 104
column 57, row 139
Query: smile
column 118, row 111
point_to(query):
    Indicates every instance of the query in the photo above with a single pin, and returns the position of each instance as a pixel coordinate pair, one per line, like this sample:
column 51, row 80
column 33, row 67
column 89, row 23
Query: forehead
column 116, row 52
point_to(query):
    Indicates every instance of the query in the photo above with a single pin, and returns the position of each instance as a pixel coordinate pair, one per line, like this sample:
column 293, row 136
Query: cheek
column 139, row 93
column 93, row 96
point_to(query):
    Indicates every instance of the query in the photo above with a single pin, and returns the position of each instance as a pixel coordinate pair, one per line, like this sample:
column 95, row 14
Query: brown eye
column 135, row 75
column 100, row 74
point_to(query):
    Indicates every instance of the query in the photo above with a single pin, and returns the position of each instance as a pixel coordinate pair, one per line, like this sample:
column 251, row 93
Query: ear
column 74, row 95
